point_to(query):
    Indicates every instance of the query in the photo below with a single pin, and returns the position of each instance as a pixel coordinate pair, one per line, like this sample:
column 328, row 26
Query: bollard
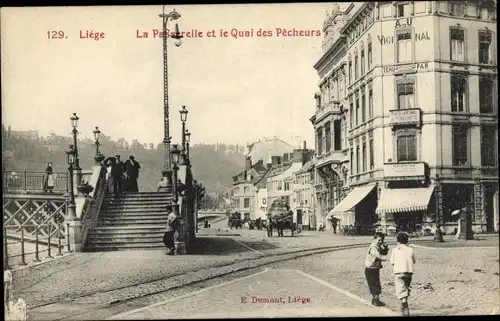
column 59, row 248
column 68, row 246
column 37, row 258
column 5, row 252
column 49, row 248
column 23, row 255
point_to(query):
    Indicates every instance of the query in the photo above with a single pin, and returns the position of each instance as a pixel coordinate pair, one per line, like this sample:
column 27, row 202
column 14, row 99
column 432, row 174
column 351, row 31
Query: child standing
column 402, row 259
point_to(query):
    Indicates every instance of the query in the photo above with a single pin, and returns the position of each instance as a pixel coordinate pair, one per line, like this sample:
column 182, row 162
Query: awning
column 404, row 200
column 352, row 199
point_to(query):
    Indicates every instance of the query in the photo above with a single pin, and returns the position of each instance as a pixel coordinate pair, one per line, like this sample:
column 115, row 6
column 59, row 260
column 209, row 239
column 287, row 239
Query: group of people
column 402, row 258
column 122, row 176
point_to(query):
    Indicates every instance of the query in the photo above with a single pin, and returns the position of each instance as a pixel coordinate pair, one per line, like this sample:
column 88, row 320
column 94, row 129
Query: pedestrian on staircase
column 168, row 238
column 373, row 263
column 120, row 167
column 402, row 259
column 132, row 168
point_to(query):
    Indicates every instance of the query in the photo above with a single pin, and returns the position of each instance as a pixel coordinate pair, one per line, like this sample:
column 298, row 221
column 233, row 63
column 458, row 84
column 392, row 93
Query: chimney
column 285, row 158
column 248, row 163
column 275, row 160
column 304, row 145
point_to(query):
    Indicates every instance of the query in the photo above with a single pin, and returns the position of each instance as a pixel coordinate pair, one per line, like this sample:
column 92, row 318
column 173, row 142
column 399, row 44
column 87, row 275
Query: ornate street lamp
column 72, row 205
column 167, row 171
column 175, row 159
column 188, row 139
column 74, row 123
column 184, row 114
column 98, row 156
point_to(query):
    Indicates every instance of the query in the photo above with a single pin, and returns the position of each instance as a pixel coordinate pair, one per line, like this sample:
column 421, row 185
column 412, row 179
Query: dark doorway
column 489, row 191
column 299, row 217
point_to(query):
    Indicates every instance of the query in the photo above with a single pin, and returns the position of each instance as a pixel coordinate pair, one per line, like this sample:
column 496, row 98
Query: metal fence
column 19, row 249
column 33, row 181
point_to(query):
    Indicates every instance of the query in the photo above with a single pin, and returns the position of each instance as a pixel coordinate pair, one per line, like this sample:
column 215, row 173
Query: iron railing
column 19, row 249
column 93, row 208
column 33, row 181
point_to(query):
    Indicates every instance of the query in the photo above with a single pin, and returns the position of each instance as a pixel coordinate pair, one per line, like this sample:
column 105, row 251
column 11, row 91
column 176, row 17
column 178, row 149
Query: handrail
column 91, row 213
column 33, row 180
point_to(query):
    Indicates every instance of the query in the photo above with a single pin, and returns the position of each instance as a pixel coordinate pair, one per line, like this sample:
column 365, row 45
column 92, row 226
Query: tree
column 200, row 191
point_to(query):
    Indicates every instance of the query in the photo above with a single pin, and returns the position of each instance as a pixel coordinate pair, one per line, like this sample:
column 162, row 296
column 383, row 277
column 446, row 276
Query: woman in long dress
column 49, row 179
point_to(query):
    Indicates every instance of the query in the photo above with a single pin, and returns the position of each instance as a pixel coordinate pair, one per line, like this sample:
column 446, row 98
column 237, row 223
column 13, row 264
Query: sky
column 236, row 90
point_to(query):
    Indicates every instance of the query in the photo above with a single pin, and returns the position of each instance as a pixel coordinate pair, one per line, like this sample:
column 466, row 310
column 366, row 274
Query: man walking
column 168, row 238
column 402, row 260
column 120, row 166
column 373, row 264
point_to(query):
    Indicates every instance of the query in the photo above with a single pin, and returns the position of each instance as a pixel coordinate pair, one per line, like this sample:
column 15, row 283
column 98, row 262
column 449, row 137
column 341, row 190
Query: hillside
column 213, row 164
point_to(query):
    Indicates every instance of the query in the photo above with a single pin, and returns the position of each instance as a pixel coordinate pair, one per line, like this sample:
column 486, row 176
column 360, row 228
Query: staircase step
column 137, row 227
column 135, row 205
column 124, row 247
column 106, row 222
column 130, row 234
column 138, row 197
column 124, row 240
column 135, row 210
column 135, row 216
column 140, row 220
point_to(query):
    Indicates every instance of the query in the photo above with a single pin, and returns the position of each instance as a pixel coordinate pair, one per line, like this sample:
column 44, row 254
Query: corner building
column 413, row 87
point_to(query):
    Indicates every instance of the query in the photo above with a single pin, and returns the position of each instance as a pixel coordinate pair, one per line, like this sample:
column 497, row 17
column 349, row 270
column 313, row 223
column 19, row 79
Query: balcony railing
column 331, row 107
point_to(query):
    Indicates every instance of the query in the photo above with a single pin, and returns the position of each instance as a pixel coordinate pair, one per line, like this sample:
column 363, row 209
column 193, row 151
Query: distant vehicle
column 280, row 218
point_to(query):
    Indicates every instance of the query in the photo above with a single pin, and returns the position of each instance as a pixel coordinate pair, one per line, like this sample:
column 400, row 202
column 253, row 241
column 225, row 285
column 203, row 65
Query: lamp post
column 180, row 244
column 98, row 156
column 175, row 159
column 74, row 123
column 188, row 139
column 438, row 236
column 184, row 114
column 167, row 171
column 72, row 205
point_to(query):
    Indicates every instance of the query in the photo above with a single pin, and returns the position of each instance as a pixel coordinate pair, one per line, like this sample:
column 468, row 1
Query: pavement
column 265, row 294
column 71, row 286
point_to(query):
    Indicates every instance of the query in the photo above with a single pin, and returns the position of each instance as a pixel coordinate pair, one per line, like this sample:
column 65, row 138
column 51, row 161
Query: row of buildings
column 406, row 115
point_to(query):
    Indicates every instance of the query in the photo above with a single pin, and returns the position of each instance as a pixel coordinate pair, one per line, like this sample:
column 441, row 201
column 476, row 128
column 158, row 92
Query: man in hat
column 120, row 167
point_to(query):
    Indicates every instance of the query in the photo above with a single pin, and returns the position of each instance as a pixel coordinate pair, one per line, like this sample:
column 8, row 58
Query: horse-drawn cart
column 280, row 217
column 235, row 220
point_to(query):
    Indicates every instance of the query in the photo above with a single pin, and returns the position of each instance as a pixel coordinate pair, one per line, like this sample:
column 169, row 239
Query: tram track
column 104, row 299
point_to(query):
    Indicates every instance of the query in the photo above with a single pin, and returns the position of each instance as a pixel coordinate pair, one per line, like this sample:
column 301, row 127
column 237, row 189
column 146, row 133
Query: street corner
column 268, row 293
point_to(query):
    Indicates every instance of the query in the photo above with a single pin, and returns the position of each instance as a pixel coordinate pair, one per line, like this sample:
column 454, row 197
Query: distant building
column 303, row 188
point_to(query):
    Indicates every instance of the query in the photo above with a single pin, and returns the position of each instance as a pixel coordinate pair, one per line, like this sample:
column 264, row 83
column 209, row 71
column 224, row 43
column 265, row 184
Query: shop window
column 407, row 147
column 458, row 93
column 486, row 89
column 484, row 47
column 489, row 146
column 406, row 97
column 404, row 46
column 457, row 44
column 460, row 145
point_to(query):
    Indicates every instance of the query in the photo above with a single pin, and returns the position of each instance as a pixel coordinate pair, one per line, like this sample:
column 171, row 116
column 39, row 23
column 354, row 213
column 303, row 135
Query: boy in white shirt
column 402, row 259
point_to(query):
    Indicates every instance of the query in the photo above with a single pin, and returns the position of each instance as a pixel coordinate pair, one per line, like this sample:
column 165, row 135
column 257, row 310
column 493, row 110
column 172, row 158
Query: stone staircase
column 130, row 221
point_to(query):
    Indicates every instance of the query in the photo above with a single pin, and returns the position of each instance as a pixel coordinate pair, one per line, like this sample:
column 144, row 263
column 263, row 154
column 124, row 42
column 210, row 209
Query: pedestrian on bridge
column 48, row 184
column 132, row 169
column 373, row 263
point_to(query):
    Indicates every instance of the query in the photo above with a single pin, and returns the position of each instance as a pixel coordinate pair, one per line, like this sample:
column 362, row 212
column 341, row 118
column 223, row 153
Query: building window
column 362, row 61
column 486, row 89
column 457, row 44
column 405, row 96
column 456, row 8
column 356, row 70
column 407, row 147
column 370, row 104
column 351, row 113
column 351, row 161
column 404, row 46
column 350, row 72
column 488, row 146
column 460, row 145
column 458, row 93
column 363, row 105
column 372, row 161
column 337, row 135
column 319, row 140
column 484, row 47
column 246, row 189
column 246, row 202
column 364, row 158
column 357, row 160
column 357, row 109
column 369, row 56
column 328, row 138
column 403, row 10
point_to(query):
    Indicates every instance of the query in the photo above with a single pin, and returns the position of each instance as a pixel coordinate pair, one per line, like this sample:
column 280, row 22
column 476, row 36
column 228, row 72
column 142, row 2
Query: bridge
column 203, row 215
column 86, row 217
